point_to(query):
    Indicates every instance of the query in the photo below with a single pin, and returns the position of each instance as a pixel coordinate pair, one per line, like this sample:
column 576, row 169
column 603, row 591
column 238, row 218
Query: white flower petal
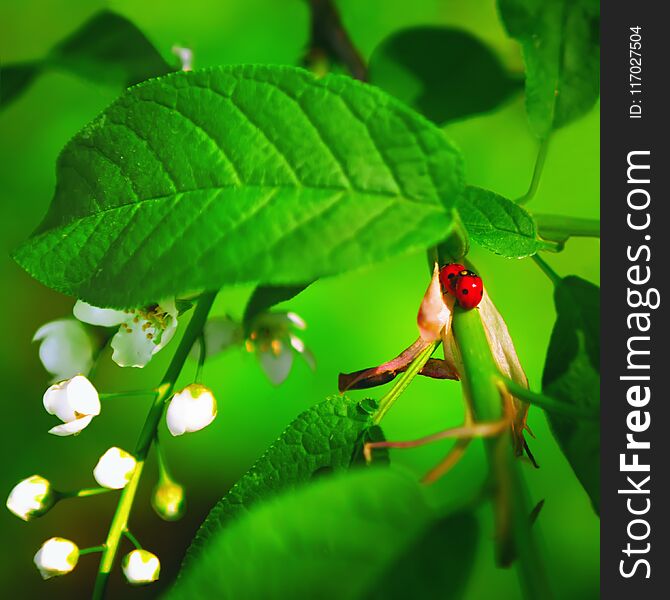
column 143, row 334
column 220, row 333
column 276, row 366
column 191, row 409
column 55, row 402
column 71, row 427
column 66, row 348
column 297, row 320
column 300, row 348
column 132, row 347
column 115, row 468
column 140, row 567
column 82, row 396
column 57, row 556
column 103, row 317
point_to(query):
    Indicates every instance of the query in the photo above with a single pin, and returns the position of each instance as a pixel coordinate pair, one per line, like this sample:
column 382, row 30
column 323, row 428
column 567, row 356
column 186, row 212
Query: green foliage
column 436, row 565
column 498, row 224
column 445, row 73
column 342, row 537
column 572, row 375
column 107, row 49
column 14, row 79
column 326, row 437
column 240, row 174
column 561, row 49
column 264, row 297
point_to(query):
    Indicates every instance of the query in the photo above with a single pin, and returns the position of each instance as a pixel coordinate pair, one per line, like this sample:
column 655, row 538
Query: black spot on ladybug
column 451, row 276
column 464, row 292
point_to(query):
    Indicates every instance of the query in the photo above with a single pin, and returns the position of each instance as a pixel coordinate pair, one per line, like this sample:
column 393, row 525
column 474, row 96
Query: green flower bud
column 168, row 500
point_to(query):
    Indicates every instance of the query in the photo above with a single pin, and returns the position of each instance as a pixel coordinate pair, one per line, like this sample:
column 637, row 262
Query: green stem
column 164, row 391
column 86, row 492
column 91, row 550
column 133, row 540
column 547, row 403
column 537, row 172
column 401, row 383
column 559, row 228
column 547, row 270
column 480, row 378
column 163, row 471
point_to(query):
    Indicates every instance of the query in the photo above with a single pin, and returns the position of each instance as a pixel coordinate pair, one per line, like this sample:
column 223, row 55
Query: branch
column 329, row 39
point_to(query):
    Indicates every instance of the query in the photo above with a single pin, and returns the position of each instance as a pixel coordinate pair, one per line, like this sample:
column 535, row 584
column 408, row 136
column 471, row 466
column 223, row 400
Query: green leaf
column 572, row 375
column 15, row 79
column 107, row 49
column 436, row 565
column 444, row 73
column 498, row 224
column 561, row 48
column 327, row 437
column 346, row 537
column 264, row 297
column 240, row 174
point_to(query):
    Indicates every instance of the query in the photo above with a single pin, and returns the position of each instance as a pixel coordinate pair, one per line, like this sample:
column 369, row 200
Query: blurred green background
column 355, row 320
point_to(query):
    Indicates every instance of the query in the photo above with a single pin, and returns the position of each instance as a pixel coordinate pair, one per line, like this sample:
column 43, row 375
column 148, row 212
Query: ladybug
column 469, row 289
column 449, row 277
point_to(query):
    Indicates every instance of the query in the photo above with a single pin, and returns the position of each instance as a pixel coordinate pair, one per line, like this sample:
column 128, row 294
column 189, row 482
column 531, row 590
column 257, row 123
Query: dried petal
column 435, row 310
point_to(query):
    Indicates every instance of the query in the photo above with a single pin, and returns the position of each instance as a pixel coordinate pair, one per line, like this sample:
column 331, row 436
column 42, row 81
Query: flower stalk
column 119, row 523
column 402, row 382
column 537, row 172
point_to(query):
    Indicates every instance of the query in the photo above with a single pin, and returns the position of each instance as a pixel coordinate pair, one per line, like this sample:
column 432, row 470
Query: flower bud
column 57, row 556
column 141, row 567
column 31, row 498
column 114, row 469
column 191, row 410
column 74, row 401
column 168, row 500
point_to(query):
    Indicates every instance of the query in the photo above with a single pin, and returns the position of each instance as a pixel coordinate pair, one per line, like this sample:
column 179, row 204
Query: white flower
column 31, row 498
column 140, row 567
column 191, row 410
column 115, row 468
column 274, row 343
column 220, row 333
column 57, row 556
column 74, row 401
column 142, row 332
column 66, row 348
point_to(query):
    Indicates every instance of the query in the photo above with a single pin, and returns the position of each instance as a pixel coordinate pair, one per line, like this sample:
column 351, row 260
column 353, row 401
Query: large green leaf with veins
column 240, row 174
column 366, row 534
column 560, row 40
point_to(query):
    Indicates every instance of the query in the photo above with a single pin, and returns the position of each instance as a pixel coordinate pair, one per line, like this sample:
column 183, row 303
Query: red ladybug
column 449, row 276
column 469, row 289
